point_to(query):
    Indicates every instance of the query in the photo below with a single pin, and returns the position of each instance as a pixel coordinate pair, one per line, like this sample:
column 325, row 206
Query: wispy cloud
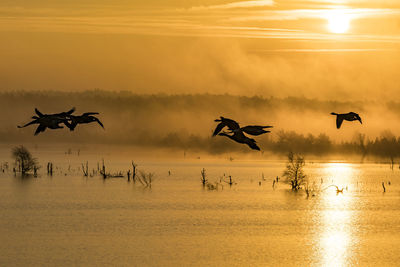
column 296, row 14
column 240, row 19
column 170, row 27
column 325, row 50
column 240, row 4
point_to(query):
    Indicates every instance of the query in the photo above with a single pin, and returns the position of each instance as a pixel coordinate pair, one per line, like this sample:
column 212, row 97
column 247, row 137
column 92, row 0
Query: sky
column 340, row 50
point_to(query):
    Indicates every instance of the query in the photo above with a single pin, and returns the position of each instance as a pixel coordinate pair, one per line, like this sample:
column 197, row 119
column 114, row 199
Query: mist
column 189, row 65
column 186, row 122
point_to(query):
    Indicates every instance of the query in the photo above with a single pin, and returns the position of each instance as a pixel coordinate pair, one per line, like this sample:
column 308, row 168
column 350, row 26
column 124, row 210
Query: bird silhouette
column 51, row 122
column 351, row 116
column 83, row 119
column 231, row 124
column 337, row 188
column 63, row 116
column 238, row 136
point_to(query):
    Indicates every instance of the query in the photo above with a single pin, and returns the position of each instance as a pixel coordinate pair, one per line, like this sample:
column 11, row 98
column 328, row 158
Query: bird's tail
column 333, row 113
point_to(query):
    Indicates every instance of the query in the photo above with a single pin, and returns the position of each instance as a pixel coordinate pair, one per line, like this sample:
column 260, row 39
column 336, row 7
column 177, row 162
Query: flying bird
column 84, row 119
column 51, row 122
column 351, row 116
column 238, row 136
column 225, row 122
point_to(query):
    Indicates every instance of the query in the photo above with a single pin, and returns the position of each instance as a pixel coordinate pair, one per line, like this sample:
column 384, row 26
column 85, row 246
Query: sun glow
column 338, row 21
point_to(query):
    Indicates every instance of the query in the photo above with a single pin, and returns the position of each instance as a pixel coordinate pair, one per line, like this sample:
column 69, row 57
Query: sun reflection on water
column 336, row 239
column 339, row 173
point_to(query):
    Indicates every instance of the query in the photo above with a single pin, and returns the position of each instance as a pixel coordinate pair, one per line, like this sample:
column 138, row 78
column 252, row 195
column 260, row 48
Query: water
column 68, row 220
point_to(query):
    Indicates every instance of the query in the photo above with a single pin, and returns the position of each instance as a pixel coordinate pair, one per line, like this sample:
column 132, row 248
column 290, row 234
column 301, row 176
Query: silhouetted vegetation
column 145, row 178
column 294, row 173
column 229, row 181
column 134, row 171
column 203, row 177
column 24, row 160
column 103, row 170
column 85, row 169
column 49, row 168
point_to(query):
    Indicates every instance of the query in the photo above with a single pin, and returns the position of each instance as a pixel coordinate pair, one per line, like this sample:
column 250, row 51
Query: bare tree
column 24, row 160
column 294, row 171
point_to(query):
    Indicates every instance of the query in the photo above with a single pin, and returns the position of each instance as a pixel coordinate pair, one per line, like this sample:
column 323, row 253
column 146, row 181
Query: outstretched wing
column 90, row 113
column 258, row 127
column 253, row 145
column 69, row 112
column 40, row 128
column 219, row 127
column 40, row 114
column 255, row 129
column 101, row 124
column 29, row 123
column 339, row 121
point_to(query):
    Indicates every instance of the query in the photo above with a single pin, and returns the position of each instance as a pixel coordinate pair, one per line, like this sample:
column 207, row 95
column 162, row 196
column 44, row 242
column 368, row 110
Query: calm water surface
column 68, row 220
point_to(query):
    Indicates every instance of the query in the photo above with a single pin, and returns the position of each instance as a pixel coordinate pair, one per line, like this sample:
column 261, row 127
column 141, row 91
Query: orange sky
column 257, row 47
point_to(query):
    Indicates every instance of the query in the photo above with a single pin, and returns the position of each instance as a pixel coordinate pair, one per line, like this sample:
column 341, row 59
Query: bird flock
column 235, row 132
column 53, row 121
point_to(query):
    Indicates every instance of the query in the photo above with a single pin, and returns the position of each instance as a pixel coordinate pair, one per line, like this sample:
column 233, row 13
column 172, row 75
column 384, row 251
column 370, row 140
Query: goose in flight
column 231, row 124
column 83, row 119
column 64, row 116
column 51, row 122
column 238, row 136
column 351, row 116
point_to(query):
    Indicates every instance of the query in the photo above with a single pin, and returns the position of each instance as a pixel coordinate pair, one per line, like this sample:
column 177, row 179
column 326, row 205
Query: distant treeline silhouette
column 186, row 121
column 320, row 144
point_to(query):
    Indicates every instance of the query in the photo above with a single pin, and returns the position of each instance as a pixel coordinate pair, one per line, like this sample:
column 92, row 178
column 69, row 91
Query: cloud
column 324, row 50
column 241, row 4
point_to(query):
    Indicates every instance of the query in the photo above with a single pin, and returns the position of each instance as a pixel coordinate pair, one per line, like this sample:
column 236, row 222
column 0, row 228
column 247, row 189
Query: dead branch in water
column 103, row 171
column 85, row 169
column 145, row 178
column 134, row 171
column 203, row 177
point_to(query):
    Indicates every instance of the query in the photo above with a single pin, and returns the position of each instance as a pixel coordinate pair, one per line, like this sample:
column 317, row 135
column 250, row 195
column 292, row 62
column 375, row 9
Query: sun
column 338, row 21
